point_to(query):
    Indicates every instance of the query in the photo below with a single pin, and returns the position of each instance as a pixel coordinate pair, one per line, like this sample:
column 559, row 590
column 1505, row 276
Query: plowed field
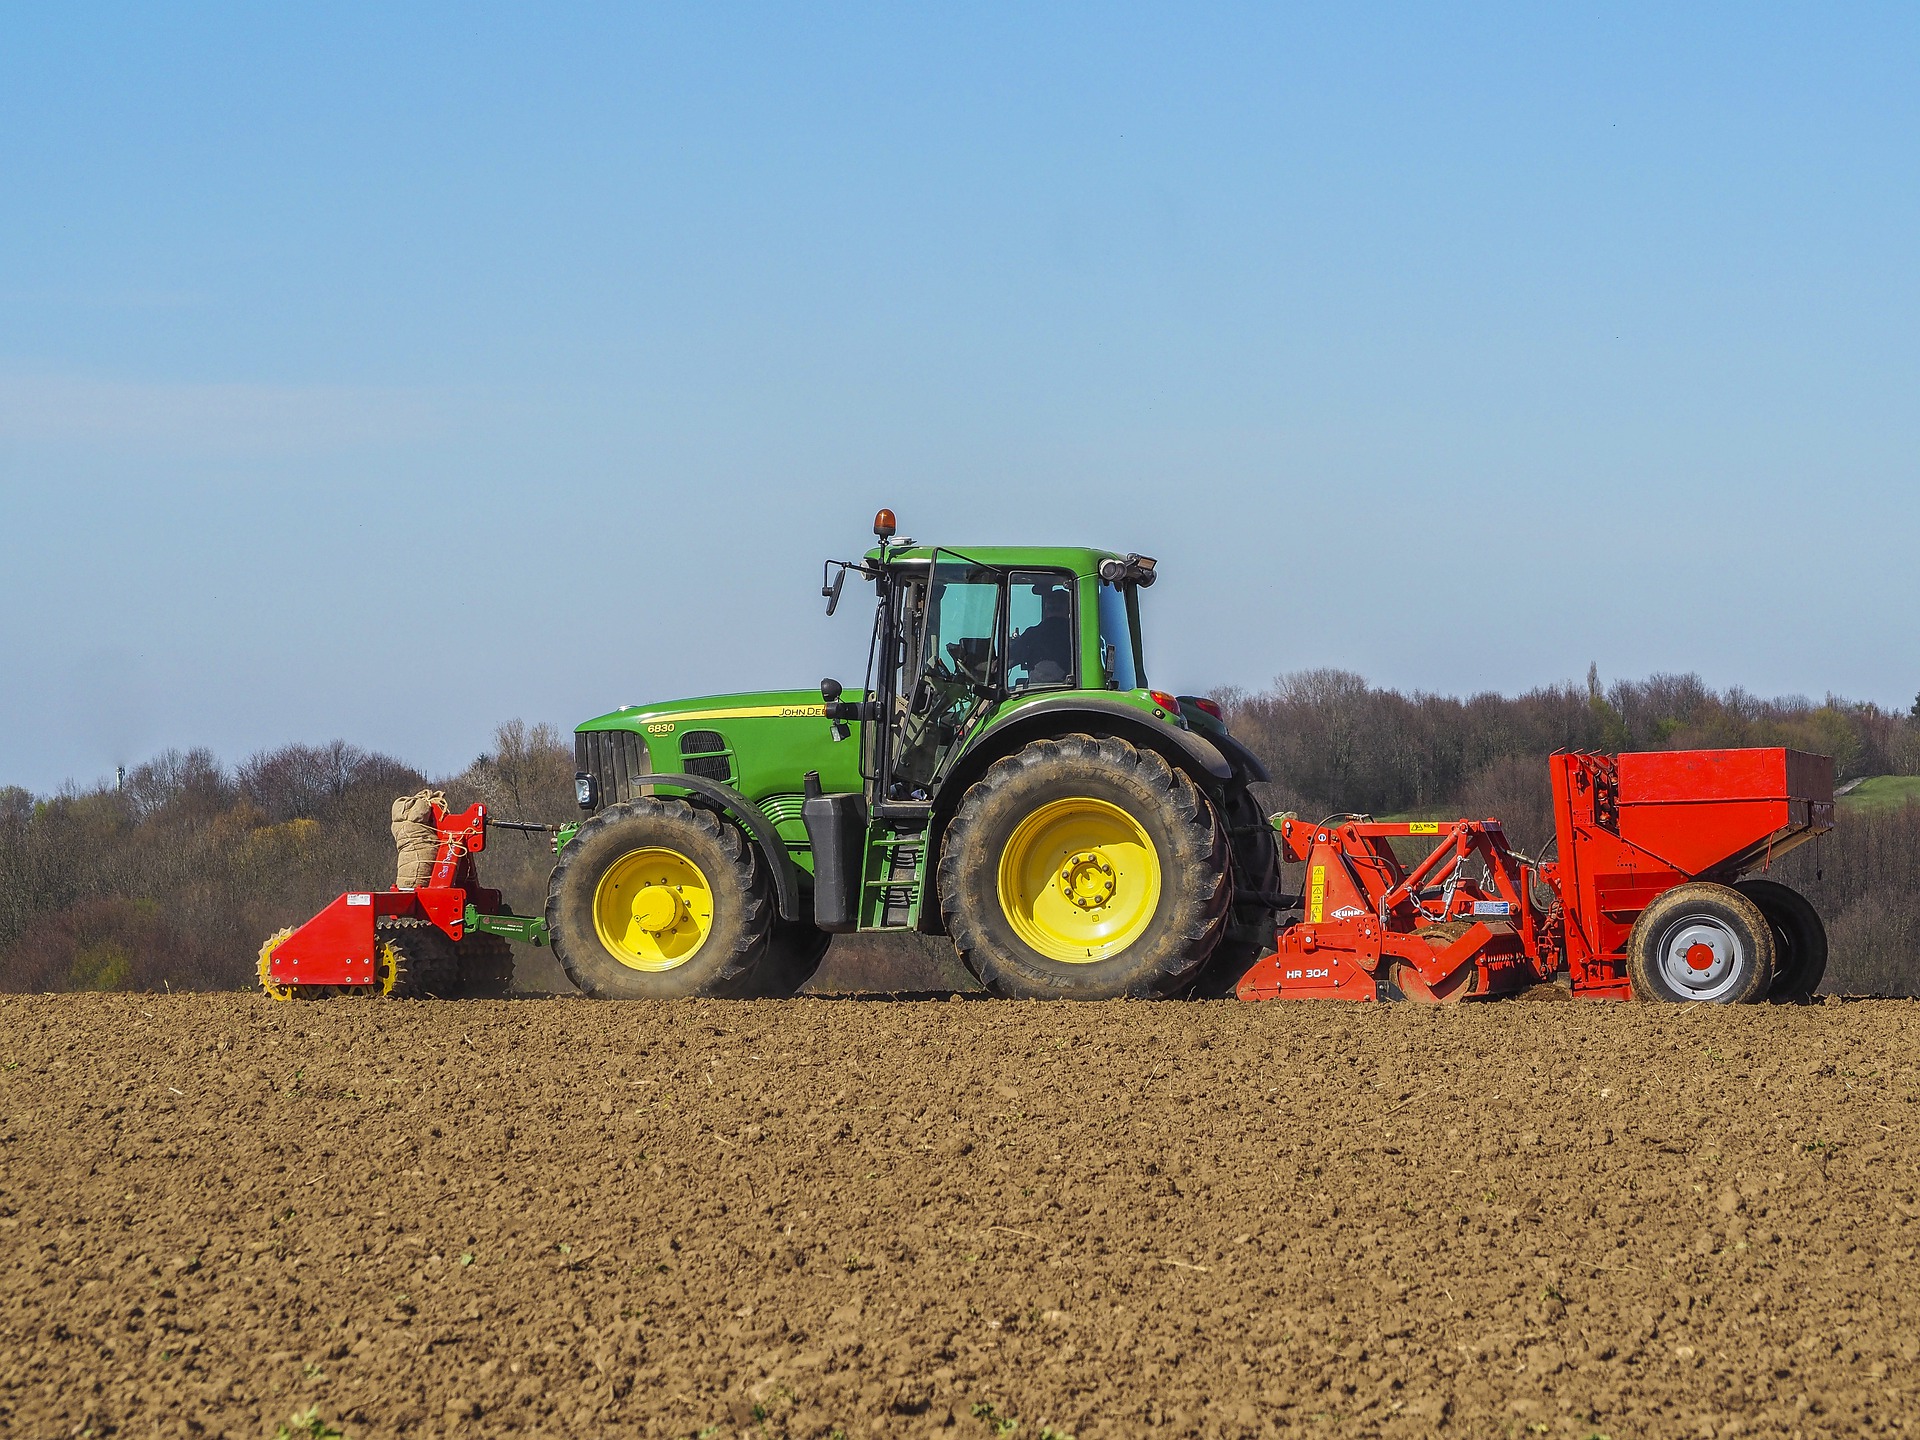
column 569, row 1219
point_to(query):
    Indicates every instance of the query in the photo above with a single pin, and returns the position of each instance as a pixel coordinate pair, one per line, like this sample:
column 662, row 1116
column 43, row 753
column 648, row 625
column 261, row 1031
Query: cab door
column 951, row 681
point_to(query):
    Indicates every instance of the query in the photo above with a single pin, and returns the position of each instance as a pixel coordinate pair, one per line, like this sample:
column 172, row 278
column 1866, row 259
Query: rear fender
column 1246, row 765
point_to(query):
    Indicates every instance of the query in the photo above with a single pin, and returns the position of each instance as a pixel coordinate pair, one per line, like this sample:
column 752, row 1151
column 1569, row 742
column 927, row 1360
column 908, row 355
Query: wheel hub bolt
column 1087, row 879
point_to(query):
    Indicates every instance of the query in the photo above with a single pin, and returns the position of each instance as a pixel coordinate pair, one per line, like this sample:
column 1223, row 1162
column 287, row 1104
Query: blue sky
column 385, row 372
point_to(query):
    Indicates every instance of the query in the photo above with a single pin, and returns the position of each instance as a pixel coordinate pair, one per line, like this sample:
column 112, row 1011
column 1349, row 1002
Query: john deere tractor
column 1006, row 777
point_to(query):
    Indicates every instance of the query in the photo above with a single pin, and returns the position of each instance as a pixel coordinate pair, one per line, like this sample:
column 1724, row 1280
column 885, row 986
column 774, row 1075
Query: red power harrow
column 447, row 936
column 1644, row 897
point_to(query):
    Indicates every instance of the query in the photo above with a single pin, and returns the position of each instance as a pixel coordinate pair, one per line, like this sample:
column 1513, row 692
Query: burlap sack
column 414, row 837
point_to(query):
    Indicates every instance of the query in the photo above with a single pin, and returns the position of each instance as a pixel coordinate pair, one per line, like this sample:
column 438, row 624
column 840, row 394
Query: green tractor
column 1006, row 778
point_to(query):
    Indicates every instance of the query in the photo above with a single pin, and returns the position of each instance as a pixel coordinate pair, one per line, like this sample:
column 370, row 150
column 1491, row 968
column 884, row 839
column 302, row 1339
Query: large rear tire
column 1257, row 881
column 1083, row 868
column 1799, row 937
column 1701, row 942
column 656, row 899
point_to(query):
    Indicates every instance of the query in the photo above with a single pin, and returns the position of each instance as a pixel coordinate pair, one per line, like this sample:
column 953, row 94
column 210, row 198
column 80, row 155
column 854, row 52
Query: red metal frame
column 1434, row 932
column 1628, row 829
column 338, row 946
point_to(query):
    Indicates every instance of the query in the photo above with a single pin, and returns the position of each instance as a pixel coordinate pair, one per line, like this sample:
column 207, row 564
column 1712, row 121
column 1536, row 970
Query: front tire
column 1083, row 868
column 1701, row 942
column 655, row 900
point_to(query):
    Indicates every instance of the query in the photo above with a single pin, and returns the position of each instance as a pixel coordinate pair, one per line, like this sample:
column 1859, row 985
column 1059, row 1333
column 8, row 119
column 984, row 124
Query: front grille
column 704, row 753
column 617, row 760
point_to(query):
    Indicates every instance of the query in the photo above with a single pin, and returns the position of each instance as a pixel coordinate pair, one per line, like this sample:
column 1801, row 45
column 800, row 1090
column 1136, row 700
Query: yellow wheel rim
column 653, row 909
column 1079, row 880
column 272, row 988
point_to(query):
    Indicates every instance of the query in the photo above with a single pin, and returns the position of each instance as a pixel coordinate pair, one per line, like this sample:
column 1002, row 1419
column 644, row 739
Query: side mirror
column 832, row 592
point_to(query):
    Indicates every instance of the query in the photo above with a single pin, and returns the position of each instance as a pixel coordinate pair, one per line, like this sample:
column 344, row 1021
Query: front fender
column 786, row 879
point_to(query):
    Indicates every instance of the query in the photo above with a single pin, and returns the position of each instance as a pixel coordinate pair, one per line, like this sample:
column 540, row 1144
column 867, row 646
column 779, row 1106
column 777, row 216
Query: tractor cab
column 965, row 636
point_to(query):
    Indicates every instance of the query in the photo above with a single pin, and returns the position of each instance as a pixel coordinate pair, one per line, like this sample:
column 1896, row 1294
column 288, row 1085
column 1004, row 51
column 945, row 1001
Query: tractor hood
column 667, row 716
column 760, row 743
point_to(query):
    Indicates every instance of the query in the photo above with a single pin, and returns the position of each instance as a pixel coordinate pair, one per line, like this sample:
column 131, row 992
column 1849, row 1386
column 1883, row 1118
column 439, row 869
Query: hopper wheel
column 1084, row 868
column 1799, row 937
column 1701, row 942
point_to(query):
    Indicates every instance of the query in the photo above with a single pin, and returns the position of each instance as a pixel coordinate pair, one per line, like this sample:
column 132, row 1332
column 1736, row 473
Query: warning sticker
column 1424, row 827
column 1317, row 895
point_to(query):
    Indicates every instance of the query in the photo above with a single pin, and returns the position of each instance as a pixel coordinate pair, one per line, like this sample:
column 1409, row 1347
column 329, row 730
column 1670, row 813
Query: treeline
column 1336, row 744
column 176, row 877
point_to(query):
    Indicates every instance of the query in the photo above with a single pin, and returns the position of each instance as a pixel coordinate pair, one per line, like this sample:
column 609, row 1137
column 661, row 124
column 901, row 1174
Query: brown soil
column 568, row 1218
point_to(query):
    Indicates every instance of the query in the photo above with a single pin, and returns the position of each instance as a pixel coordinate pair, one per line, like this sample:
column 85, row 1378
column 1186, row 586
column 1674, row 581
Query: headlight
column 584, row 790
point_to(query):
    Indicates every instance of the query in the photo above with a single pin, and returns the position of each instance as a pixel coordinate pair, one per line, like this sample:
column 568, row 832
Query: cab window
column 1041, row 636
column 1117, row 651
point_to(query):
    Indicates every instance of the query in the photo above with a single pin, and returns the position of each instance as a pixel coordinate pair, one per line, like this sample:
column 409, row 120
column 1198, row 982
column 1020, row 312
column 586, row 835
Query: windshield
column 962, row 619
column 1117, row 651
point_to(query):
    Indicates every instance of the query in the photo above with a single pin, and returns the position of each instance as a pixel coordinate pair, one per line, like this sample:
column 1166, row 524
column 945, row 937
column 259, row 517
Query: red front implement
column 339, row 946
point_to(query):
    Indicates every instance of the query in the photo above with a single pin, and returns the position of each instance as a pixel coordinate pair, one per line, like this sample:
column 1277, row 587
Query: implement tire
column 1701, row 942
column 1799, row 937
column 1083, row 868
column 658, row 899
column 413, row 960
column 486, row 965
